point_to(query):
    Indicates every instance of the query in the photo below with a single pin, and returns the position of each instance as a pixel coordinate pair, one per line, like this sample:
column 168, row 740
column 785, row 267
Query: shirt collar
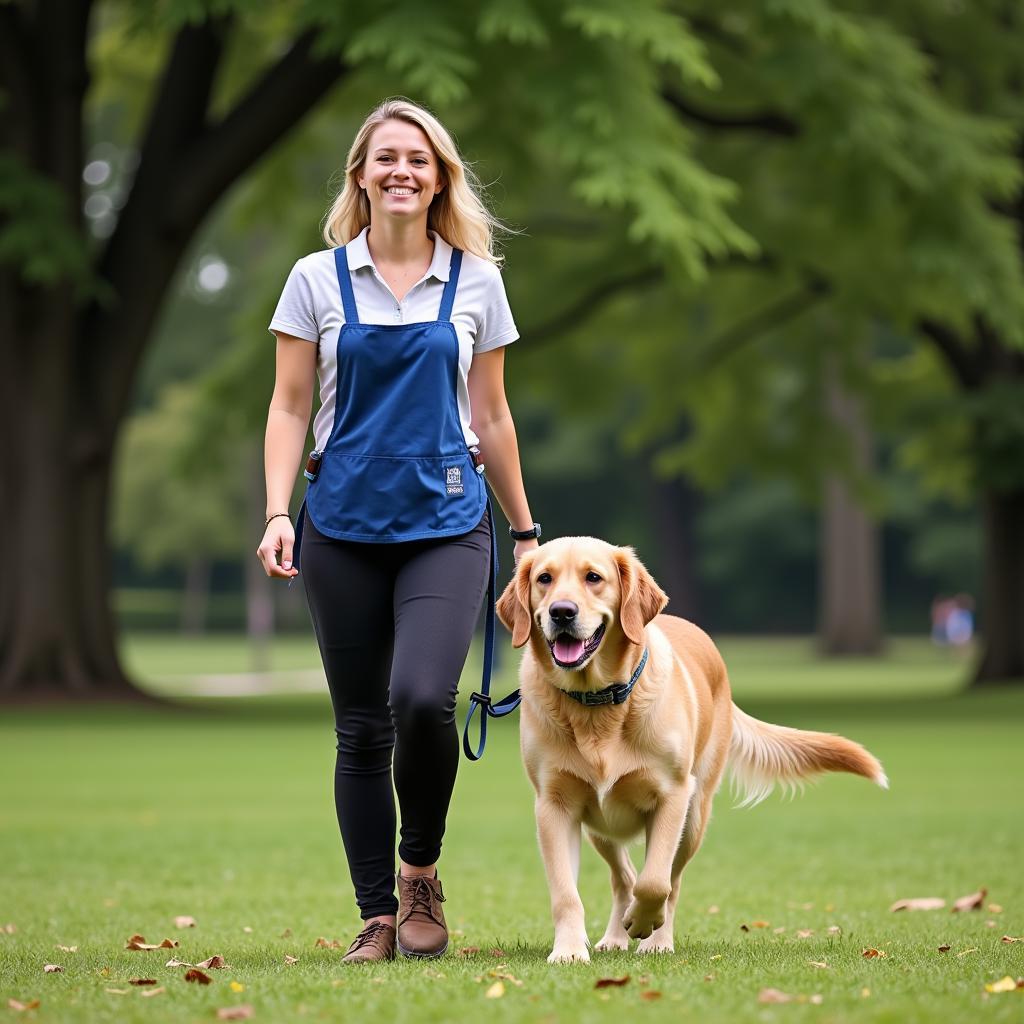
column 358, row 253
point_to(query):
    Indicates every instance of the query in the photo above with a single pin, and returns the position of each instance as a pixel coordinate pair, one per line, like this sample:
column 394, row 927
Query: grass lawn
column 115, row 820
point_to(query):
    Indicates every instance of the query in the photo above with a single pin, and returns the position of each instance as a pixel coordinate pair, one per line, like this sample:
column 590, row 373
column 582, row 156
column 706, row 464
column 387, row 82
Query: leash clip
column 482, row 699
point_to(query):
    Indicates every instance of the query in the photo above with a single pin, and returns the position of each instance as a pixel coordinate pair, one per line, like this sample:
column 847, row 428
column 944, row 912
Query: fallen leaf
column 995, row 908
column 650, row 995
column 216, row 962
column 496, row 991
column 247, row 930
column 17, row 1004
column 67, row 949
column 182, row 921
column 236, row 986
column 52, row 969
column 9, row 929
column 944, row 948
column 500, row 953
column 773, row 995
column 870, row 953
column 139, row 942
column 152, row 992
column 118, row 991
column 990, row 924
column 289, row 960
column 104, row 972
column 242, row 1012
column 744, row 928
column 469, row 951
column 1006, row 984
column 286, row 934
column 198, row 976
column 817, row 999
column 819, row 963
column 805, row 933
column 760, row 924
column 142, row 981
column 778, row 931
column 834, row 929
column 609, row 982
column 177, row 963
column 972, row 902
column 920, row 903
column 712, row 909
column 865, row 992
column 715, row 956
column 325, row 944
column 964, row 952
column 1012, row 938
column 709, row 977
column 505, row 976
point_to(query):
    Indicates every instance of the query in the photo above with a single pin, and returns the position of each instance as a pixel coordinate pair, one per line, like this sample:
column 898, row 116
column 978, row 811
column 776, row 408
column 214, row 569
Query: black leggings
column 394, row 623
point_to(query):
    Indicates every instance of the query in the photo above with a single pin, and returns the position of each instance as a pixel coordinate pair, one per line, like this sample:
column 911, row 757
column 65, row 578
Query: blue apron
column 396, row 466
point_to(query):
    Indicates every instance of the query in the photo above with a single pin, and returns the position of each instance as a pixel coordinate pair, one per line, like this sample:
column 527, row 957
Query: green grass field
column 115, row 820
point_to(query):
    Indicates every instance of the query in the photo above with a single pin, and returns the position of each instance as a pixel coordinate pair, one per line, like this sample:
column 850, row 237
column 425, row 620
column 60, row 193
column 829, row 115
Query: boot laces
column 367, row 935
column 421, row 897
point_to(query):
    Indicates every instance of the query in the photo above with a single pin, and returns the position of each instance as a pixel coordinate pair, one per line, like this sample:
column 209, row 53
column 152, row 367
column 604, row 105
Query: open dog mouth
column 570, row 652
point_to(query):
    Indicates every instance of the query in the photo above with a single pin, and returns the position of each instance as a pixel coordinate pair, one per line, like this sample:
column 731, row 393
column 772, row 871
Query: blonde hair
column 457, row 214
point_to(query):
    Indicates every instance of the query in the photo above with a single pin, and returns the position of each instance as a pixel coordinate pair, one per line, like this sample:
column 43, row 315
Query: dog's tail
column 761, row 754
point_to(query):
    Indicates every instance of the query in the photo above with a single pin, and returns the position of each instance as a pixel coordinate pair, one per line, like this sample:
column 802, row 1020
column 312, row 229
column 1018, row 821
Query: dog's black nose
column 563, row 612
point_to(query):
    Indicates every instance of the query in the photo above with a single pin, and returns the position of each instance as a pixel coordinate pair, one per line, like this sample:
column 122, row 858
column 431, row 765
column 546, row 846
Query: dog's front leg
column 664, row 830
column 558, row 830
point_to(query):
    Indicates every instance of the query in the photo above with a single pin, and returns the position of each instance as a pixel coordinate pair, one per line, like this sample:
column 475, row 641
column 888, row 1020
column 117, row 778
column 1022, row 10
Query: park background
column 766, row 263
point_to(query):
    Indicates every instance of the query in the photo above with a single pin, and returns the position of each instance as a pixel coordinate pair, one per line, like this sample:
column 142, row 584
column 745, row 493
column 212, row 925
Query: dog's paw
column 656, row 943
column 641, row 919
column 569, row 954
column 610, row 941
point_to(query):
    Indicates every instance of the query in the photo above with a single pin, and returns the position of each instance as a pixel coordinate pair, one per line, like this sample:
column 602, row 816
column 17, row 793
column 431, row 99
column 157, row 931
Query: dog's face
column 573, row 593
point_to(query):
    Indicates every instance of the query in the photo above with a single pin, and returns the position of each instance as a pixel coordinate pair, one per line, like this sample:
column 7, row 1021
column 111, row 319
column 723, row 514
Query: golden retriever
column 647, row 766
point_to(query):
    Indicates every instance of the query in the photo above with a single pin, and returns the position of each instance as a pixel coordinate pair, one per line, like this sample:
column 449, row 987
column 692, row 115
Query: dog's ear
column 513, row 606
column 642, row 598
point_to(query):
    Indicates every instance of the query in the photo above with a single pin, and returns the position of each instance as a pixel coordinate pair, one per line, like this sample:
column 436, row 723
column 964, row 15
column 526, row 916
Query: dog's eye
column 592, row 577
column 544, row 577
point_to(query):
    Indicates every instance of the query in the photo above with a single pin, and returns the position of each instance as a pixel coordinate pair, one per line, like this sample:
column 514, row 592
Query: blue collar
column 614, row 694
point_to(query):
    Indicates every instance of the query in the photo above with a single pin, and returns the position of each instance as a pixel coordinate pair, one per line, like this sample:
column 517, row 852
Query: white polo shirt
column 310, row 308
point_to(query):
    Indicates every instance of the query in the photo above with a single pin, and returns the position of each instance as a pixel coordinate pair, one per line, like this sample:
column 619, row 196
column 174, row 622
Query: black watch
column 532, row 534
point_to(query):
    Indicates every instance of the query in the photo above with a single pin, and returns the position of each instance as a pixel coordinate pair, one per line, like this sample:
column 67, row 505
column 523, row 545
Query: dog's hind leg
column 623, row 877
column 662, row 939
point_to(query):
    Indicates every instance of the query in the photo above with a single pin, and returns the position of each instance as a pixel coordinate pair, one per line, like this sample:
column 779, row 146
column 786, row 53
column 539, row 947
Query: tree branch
column 271, row 108
column 961, row 360
column 766, row 121
column 752, row 327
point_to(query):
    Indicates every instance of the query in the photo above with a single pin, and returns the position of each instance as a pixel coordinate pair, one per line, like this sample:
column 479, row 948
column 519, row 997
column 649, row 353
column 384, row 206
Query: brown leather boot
column 422, row 932
column 375, row 942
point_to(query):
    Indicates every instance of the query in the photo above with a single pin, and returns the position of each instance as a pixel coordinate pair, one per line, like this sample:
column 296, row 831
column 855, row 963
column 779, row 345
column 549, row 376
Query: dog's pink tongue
column 567, row 649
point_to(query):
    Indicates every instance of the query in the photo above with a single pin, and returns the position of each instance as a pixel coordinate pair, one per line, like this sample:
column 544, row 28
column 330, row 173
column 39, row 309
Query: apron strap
column 348, row 299
column 482, row 699
column 448, row 298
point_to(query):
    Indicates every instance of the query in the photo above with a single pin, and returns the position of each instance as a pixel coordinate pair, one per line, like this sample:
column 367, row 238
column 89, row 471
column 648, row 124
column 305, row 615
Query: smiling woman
column 408, row 320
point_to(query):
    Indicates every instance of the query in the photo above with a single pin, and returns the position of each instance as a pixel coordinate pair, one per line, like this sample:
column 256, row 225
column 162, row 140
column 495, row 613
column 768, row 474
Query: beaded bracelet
column 274, row 516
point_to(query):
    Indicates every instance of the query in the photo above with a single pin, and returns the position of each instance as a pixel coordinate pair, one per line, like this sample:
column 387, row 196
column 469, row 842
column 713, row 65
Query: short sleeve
column 296, row 313
column 497, row 328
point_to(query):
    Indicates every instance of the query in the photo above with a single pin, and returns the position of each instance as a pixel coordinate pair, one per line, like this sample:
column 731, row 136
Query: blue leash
column 482, row 699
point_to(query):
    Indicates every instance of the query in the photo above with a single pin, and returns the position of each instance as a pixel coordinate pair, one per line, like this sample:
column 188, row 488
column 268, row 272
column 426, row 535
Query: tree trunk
column 676, row 505
column 1002, row 609
column 849, row 616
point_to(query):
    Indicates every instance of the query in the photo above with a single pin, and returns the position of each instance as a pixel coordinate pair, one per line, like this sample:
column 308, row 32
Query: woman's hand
column 522, row 546
column 280, row 537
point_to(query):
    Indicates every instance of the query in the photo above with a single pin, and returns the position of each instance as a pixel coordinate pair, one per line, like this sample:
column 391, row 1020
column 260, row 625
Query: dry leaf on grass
column 496, row 991
column 17, row 1004
column 974, row 901
column 744, row 928
column 327, row 943
column 871, row 953
column 773, row 995
column 920, row 903
column 505, row 976
column 177, row 963
column 944, row 948
column 820, row 964
column 139, row 942
column 286, row 934
column 964, row 952
column 196, row 975
column 1006, row 984
column 184, row 921
column 289, row 960
column 499, row 953
column 712, row 909
column 52, row 969
column 834, row 929
column 152, row 992
column 8, row 929
column 994, row 908
column 1012, row 938
column 236, row 986
column 805, row 933
column 609, row 982
column 216, row 962
column 242, row 1012
column 779, row 930
column 142, row 981
column 247, row 930
column 118, row 991
column 67, row 949
column 469, row 951
column 760, row 924
column 650, row 995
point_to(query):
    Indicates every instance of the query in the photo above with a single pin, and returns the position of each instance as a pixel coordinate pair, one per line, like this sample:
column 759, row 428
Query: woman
column 409, row 322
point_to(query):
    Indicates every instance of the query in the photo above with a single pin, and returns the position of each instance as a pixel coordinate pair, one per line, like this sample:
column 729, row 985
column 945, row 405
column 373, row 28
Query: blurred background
column 765, row 259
